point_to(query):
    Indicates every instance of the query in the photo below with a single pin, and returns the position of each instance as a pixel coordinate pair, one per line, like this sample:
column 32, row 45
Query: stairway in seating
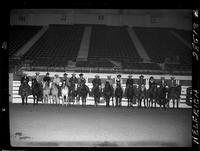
column 84, row 47
column 30, row 43
column 186, row 43
column 138, row 45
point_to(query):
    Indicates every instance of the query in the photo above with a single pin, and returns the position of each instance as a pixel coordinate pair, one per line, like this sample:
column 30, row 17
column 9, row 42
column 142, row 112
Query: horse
column 54, row 93
column 130, row 93
column 136, row 94
column 162, row 96
column 151, row 95
column 72, row 93
column 65, row 94
column 96, row 92
column 37, row 91
column 24, row 91
column 107, row 93
column 142, row 95
column 46, row 92
column 174, row 95
column 83, row 91
column 118, row 95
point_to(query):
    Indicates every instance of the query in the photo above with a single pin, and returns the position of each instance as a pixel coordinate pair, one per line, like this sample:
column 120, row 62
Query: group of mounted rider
column 72, row 89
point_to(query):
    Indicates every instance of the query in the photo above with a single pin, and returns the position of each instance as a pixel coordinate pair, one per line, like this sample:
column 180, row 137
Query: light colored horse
column 54, row 93
column 65, row 94
column 46, row 92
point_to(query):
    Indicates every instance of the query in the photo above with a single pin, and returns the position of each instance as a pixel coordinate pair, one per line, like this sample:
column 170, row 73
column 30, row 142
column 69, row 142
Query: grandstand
column 107, row 47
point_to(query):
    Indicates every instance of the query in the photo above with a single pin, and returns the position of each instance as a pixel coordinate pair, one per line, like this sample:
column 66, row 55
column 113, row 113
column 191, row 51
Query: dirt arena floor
column 89, row 126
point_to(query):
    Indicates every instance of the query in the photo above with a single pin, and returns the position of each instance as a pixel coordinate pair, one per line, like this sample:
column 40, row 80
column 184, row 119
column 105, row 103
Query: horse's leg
column 160, row 101
column 112, row 101
column 22, row 99
column 177, row 105
column 173, row 103
column 78, row 99
column 26, row 100
column 57, row 99
column 139, row 102
column 33, row 99
column 144, row 101
column 63, row 100
column 95, row 101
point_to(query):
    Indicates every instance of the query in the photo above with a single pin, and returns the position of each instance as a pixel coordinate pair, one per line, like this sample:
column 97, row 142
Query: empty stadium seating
column 143, row 66
column 59, row 43
column 160, row 43
column 187, row 35
column 111, row 42
column 94, row 63
column 19, row 35
column 178, row 67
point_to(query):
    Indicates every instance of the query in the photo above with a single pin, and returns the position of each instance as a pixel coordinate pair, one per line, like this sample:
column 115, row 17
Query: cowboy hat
column 96, row 75
column 119, row 75
column 172, row 78
column 47, row 73
column 141, row 76
column 162, row 78
column 65, row 73
column 74, row 73
column 37, row 73
column 80, row 74
column 151, row 77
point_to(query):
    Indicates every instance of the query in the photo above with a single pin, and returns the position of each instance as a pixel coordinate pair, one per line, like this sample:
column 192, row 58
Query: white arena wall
column 14, row 85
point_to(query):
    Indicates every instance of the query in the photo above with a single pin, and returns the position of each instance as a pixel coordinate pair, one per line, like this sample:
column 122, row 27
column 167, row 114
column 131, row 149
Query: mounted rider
column 36, row 78
column 47, row 79
column 24, row 78
column 118, row 81
column 81, row 80
column 129, row 81
column 109, row 80
column 56, row 80
column 96, row 81
column 151, row 82
column 65, row 80
column 142, row 80
column 73, row 80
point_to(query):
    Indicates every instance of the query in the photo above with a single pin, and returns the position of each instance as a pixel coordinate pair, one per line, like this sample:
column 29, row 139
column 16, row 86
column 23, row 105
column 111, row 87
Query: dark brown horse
column 151, row 95
column 174, row 95
column 130, row 93
column 37, row 91
column 97, row 93
column 24, row 92
column 142, row 95
column 107, row 93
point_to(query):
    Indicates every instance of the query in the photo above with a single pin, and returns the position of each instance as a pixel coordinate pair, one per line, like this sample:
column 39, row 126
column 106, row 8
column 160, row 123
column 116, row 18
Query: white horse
column 54, row 93
column 64, row 93
column 46, row 92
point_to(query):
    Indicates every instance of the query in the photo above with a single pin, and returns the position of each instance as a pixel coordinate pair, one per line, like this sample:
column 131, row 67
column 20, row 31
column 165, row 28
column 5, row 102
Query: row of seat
column 111, row 42
column 57, row 42
column 160, row 43
column 61, row 43
column 19, row 35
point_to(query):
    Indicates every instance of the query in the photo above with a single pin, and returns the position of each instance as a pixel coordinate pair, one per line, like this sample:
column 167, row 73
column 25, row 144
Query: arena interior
column 100, row 42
